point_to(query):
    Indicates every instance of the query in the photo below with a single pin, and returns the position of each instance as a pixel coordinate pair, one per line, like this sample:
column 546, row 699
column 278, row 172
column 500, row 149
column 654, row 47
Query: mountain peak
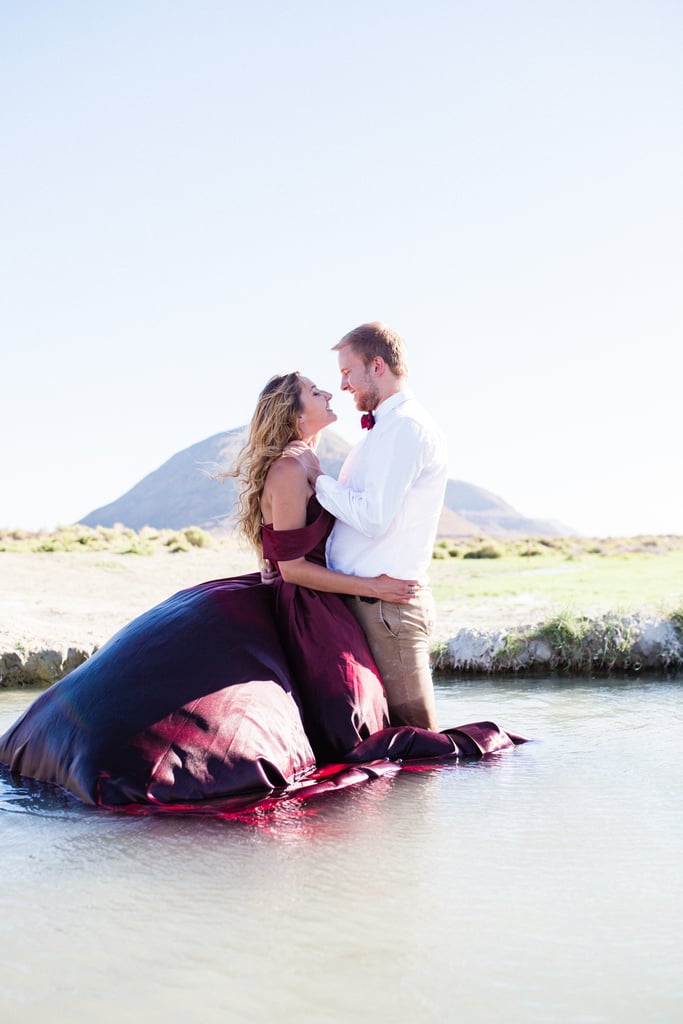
column 182, row 493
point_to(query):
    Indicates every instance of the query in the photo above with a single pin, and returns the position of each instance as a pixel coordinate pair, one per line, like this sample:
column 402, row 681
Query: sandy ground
column 59, row 600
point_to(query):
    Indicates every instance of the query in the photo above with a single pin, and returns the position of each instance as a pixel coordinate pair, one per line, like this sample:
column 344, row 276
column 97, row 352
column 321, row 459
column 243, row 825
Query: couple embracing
column 386, row 505
column 261, row 683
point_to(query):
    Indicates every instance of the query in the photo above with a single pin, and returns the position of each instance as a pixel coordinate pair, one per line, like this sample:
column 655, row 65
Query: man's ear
column 378, row 366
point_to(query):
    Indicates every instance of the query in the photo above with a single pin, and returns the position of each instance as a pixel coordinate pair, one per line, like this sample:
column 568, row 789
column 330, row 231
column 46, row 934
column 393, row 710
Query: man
column 387, row 502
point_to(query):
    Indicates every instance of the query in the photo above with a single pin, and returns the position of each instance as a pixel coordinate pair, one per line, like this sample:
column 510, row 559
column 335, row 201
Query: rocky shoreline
column 608, row 643
column 57, row 609
column 40, row 667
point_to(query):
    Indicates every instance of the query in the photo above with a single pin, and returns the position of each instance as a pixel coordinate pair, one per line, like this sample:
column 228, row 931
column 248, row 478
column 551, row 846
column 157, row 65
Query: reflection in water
column 542, row 884
column 27, row 795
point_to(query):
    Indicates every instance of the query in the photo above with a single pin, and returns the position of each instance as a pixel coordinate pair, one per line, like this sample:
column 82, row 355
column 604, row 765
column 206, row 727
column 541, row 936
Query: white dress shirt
column 389, row 495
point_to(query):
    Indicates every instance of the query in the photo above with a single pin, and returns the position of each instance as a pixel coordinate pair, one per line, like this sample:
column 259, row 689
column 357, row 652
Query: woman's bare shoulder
column 286, row 466
column 287, row 472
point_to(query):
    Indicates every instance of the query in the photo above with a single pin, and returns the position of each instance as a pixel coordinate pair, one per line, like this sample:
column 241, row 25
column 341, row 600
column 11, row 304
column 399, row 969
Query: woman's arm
column 287, row 492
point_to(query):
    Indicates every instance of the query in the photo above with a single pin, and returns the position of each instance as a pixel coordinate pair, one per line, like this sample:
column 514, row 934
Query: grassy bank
column 569, row 644
column 562, row 605
column 571, row 574
column 567, row 575
column 595, row 605
column 118, row 540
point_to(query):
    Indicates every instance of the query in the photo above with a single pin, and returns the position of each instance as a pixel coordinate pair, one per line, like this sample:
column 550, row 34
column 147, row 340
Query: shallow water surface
column 540, row 885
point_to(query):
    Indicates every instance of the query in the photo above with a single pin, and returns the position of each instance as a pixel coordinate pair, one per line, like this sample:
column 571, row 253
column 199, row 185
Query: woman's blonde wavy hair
column 272, row 426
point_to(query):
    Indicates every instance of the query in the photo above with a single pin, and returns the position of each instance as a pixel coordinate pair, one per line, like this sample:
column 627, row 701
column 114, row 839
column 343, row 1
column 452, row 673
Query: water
column 541, row 885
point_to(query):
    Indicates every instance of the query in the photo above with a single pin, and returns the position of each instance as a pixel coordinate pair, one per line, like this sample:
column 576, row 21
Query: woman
column 235, row 686
column 290, row 415
column 337, row 682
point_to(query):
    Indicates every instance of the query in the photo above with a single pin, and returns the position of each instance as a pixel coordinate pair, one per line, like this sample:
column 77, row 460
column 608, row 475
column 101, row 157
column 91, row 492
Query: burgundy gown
column 230, row 688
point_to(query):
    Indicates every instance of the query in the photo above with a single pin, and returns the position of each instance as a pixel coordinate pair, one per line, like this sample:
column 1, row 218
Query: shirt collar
column 392, row 402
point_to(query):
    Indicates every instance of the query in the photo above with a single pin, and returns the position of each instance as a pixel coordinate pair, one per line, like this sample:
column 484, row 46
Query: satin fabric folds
column 229, row 688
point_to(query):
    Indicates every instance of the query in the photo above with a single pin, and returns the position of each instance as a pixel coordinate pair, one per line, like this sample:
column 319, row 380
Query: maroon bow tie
column 367, row 420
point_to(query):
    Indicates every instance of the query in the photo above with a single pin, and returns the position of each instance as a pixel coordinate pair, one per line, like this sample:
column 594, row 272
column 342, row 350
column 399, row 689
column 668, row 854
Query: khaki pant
column 398, row 635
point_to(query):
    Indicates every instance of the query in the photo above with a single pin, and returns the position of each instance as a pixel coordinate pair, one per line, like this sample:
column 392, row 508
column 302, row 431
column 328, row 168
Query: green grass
column 576, row 645
column 626, row 575
column 571, row 574
column 115, row 539
column 583, row 644
column 567, row 597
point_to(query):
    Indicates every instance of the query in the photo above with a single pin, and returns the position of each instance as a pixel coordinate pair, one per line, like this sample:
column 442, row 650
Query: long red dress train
column 230, row 688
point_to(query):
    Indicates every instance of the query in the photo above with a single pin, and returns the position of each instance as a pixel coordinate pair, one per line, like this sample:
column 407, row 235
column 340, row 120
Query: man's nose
column 344, row 384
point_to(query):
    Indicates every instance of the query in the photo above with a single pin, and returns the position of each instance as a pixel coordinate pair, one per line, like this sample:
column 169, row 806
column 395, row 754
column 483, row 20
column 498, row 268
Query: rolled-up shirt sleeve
column 390, row 469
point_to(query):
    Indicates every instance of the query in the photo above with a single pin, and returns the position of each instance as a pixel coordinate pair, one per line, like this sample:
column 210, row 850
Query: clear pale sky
column 198, row 194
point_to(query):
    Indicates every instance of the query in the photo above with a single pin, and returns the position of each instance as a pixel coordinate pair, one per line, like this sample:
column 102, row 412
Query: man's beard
column 367, row 398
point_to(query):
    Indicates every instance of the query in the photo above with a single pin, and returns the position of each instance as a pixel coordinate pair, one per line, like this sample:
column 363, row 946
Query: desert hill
column 181, row 493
